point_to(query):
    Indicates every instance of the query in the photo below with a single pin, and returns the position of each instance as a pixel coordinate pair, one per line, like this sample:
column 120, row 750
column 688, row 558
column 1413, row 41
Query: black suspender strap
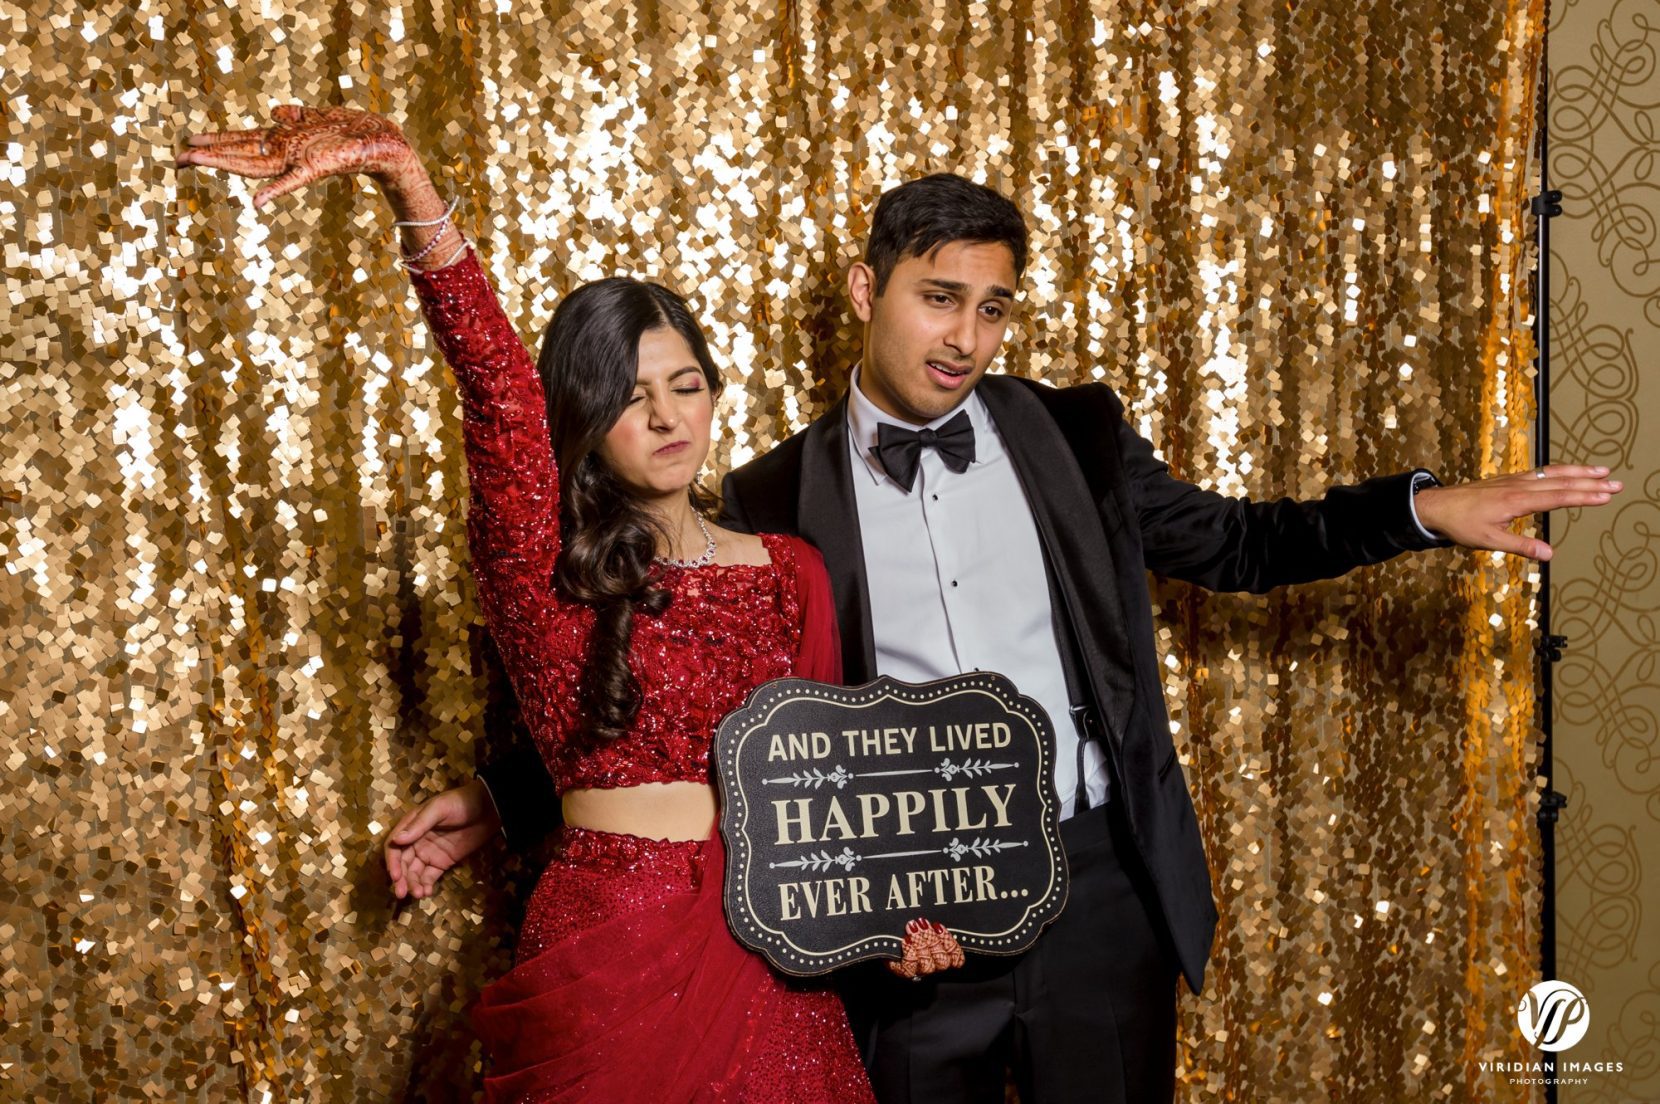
column 1082, row 711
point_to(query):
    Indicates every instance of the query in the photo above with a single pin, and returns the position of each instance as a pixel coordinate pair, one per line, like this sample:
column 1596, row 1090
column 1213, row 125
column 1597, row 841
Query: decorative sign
column 849, row 811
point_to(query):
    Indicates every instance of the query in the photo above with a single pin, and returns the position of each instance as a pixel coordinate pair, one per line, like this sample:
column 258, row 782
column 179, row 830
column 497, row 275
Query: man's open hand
column 434, row 836
column 1479, row 515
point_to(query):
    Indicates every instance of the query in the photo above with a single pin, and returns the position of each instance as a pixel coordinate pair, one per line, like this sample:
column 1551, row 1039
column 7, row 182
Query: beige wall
column 1605, row 585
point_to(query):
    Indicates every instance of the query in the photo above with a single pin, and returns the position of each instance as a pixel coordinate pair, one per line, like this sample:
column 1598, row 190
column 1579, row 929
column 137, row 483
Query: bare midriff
column 656, row 810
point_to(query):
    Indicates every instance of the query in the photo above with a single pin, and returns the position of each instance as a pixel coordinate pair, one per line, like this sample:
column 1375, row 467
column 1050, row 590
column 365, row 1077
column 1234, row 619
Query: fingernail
column 1600, row 469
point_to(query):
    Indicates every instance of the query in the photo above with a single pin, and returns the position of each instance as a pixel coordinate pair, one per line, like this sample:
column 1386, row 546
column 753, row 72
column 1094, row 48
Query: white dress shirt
column 956, row 577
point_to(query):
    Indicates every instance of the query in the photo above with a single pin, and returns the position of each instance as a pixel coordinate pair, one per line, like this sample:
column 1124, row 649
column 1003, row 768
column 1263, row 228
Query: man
column 974, row 522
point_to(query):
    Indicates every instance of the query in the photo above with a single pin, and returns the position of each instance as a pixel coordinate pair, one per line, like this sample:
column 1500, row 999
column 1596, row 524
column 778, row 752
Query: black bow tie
column 900, row 449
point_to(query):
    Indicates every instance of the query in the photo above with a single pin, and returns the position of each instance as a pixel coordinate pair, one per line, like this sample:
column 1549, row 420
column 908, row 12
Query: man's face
column 935, row 328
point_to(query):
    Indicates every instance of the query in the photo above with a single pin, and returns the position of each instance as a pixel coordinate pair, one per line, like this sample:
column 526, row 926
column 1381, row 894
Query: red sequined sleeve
column 513, row 512
column 513, row 517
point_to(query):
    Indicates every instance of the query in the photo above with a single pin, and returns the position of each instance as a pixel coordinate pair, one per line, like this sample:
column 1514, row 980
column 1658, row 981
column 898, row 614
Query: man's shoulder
column 1086, row 418
column 1074, row 399
column 779, row 464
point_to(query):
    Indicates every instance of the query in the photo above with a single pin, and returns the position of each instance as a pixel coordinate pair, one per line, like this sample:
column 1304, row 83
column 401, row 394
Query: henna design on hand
column 302, row 145
column 928, row 948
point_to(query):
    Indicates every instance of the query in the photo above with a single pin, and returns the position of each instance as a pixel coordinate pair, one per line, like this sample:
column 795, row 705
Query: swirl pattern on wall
column 1605, row 579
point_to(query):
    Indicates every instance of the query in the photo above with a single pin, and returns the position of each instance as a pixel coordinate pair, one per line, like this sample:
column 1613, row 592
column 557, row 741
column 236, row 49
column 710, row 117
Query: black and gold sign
column 848, row 811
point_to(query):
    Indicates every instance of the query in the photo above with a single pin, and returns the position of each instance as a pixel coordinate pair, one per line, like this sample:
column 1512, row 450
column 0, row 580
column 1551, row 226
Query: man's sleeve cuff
column 496, row 805
column 1421, row 478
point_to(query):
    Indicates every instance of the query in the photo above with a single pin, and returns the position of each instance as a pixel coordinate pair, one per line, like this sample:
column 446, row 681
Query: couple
column 964, row 522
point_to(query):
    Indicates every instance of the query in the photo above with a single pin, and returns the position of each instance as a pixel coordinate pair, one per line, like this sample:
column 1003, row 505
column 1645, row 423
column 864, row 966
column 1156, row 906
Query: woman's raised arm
column 512, row 522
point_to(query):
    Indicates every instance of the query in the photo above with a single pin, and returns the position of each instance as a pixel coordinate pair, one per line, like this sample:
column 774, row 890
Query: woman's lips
column 670, row 450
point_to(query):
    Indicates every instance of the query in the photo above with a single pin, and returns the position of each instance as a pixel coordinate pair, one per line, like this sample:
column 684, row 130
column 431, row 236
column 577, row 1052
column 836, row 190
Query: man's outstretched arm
column 1228, row 544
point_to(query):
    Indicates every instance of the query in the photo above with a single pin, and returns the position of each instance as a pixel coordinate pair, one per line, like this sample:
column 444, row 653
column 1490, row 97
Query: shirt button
column 953, row 582
column 936, row 498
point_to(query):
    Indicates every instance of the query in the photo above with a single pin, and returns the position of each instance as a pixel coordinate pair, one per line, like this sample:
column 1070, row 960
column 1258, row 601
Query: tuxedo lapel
column 1069, row 523
column 829, row 517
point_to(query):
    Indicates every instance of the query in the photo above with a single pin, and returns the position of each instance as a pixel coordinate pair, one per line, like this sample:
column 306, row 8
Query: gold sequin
column 241, row 637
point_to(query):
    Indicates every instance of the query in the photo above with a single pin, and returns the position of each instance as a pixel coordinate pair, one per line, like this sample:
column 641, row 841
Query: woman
column 629, row 626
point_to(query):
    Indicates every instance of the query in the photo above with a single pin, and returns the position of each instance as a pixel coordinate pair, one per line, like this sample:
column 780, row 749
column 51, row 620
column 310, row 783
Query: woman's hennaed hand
column 304, row 144
column 929, row 948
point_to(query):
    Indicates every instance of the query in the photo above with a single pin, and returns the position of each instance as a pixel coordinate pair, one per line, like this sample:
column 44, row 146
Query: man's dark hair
column 919, row 216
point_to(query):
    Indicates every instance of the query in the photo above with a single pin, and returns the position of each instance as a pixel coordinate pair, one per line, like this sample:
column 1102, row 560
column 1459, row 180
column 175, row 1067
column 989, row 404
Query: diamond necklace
column 708, row 556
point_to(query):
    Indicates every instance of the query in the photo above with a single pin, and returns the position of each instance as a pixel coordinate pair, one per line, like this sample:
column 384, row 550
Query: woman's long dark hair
column 589, row 361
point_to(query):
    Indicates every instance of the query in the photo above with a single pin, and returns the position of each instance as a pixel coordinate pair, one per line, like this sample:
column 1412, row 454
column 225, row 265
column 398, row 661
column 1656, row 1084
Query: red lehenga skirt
column 628, row 986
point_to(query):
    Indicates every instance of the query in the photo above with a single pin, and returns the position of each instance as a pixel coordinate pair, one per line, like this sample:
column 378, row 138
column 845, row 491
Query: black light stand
column 1545, row 206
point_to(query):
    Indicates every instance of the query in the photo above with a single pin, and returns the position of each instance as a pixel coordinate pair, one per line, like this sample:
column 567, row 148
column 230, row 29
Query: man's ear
column 861, row 289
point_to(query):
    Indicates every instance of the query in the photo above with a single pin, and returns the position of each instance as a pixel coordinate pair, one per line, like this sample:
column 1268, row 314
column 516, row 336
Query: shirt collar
column 863, row 416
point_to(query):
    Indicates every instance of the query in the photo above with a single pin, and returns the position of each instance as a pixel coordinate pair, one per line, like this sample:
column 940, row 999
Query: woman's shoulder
column 746, row 549
column 795, row 554
column 797, row 546
column 787, row 553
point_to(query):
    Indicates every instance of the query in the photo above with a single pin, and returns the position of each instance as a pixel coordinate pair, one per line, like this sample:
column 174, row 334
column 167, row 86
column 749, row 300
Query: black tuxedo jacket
column 1107, row 511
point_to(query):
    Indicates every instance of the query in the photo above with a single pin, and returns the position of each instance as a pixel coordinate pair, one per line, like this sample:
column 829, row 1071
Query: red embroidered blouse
column 727, row 628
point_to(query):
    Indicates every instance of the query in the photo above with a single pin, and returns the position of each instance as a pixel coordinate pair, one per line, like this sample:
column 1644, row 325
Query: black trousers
column 1088, row 1013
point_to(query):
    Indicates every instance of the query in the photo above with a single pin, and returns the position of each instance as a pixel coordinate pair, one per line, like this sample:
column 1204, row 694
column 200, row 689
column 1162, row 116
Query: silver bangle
column 428, row 247
column 453, row 257
column 460, row 249
column 448, row 211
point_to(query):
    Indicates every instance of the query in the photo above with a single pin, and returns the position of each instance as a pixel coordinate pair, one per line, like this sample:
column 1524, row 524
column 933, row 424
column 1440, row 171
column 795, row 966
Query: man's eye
column 994, row 313
column 936, row 297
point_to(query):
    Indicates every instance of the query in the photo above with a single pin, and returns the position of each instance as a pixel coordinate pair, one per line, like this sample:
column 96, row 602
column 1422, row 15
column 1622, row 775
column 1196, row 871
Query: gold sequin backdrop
column 240, row 636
